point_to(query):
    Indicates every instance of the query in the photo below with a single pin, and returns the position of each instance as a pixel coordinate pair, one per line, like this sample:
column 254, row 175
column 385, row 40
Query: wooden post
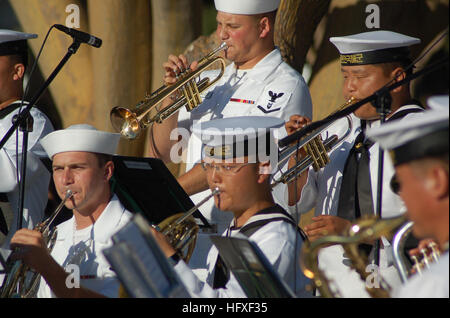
column 122, row 67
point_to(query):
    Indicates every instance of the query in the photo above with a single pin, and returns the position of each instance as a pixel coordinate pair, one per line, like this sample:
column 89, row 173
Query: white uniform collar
column 377, row 122
column 263, row 68
column 104, row 226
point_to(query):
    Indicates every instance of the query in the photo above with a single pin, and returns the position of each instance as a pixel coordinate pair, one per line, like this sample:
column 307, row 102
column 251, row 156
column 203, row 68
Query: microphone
column 80, row 36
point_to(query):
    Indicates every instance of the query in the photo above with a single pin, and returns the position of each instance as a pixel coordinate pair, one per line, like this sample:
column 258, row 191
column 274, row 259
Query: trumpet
column 20, row 280
column 130, row 121
column 316, row 149
column 181, row 229
column 400, row 260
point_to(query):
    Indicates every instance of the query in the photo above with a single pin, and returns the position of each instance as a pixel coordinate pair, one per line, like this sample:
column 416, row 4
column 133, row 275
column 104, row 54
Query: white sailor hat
column 14, row 42
column 420, row 135
column 373, row 47
column 246, row 6
column 238, row 137
column 81, row 137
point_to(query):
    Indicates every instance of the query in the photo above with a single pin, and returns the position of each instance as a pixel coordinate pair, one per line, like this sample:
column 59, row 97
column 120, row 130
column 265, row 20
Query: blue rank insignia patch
column 273, row 99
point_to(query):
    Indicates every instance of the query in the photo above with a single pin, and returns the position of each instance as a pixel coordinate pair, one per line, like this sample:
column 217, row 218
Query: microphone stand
column 382, row 104
column 352, row 108
column 25, row 121
column 26, row 126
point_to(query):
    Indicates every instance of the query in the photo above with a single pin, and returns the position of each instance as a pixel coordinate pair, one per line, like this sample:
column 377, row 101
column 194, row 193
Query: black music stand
column 140, row 264
column 147, row 186
column 251, row 268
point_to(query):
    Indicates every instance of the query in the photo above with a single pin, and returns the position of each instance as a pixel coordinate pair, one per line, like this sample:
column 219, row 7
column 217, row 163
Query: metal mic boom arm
column 305, row 130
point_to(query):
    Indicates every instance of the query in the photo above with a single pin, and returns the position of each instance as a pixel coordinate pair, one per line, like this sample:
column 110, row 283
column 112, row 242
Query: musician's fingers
column 316, row 233
column 183, row 60
column 177, row 64
column 193, row 65
column 315, row 225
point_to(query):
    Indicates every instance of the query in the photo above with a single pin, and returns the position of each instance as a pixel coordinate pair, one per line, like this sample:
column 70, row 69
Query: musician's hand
column 295, row 123
column 163, row 243
column 29, row 246
column 423, row 244
column 174, row 66
column 324, row 225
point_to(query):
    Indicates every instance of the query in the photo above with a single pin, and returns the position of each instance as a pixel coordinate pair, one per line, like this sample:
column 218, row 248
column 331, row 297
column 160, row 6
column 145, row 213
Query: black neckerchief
column 273, row 213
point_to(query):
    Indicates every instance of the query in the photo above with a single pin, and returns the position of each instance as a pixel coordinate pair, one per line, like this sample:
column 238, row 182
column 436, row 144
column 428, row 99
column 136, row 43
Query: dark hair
column 270, row 15
column 390, row 66
column 20, row 59
column 103, row 159
column 16, row 50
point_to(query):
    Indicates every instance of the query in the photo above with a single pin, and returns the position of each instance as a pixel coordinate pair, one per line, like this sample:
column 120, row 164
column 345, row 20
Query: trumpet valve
column 416, row 267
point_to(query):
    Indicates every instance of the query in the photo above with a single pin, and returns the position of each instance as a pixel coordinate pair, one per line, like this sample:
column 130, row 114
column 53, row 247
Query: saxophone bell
column 365, row 229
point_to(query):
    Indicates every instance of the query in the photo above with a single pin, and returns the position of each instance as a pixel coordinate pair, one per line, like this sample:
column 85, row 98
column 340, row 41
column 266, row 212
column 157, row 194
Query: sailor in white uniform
column 13, row 64
column 419, row 150
column 81, row 162
column 257, row 83
column 233, row 165
column 346, row 188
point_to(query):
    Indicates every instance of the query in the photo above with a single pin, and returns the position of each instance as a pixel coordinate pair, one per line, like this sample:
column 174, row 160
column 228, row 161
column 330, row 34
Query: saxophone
column 365, row 229
column 20, row 280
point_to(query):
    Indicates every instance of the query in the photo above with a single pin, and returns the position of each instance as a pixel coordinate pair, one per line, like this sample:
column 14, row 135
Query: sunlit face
column 361, row 81
column 415, row 193
column 81, row 173
column 240, row 32
column 236, row 186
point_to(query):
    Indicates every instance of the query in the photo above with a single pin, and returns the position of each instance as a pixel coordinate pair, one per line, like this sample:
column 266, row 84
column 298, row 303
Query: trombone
column 130, row 121
column 316, row 150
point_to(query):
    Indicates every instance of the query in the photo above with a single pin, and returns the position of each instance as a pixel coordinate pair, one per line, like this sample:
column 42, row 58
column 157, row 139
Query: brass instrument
column 129, row 122
column 316, row 150
column 20, row 280
column 181, row 229
column 365, row 229
column 400, row 260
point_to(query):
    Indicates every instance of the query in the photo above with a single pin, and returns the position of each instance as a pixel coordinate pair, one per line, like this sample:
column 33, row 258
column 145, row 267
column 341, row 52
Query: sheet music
column 140, row 264
column 251, row 268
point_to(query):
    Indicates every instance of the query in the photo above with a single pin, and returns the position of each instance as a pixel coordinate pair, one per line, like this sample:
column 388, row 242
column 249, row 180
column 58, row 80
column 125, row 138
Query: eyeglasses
column 225, row 169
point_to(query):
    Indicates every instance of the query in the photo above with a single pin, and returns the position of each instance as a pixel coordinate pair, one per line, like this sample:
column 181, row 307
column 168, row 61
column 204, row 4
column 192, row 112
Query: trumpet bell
column 125, row 122
column 130, row 121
